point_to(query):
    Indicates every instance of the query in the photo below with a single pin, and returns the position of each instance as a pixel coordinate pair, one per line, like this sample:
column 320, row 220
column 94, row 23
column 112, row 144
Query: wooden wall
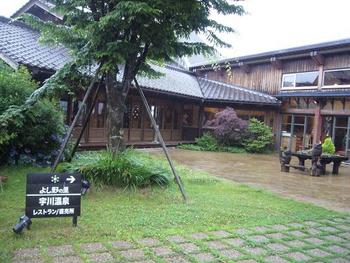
column 337, row 61
column 265, row 77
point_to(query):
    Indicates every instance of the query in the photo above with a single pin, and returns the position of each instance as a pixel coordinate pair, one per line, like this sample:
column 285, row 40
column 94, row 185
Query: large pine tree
column 123, row 37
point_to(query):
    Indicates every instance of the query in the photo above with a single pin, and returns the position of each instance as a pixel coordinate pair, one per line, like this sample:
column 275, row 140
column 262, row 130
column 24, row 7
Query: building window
column 300, row 80
column 337, row 77
column 296, row 132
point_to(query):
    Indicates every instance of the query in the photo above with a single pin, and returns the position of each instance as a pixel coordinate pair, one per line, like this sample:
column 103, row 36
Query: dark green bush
column 129, row 169
column 36, row 135
column 207, row 142
column 260, row 137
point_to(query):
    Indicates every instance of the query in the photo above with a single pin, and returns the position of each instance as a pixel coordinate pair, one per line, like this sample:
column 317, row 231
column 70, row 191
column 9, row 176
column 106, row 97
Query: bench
column 319, row 161
column 316, row 169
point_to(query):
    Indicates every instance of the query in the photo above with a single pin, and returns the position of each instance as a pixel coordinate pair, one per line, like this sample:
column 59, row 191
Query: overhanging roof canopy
column 19, row 46
column 316, row 94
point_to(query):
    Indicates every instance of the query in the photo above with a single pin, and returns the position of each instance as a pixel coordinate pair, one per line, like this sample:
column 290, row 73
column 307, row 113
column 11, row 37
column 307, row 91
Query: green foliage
column 14, row 86
column 328, row 146
column 108, row 214
column 209, row 143
column 124, row 37
column 129, row 169
column 260, row 137
column 66, row 79
column 115, row 32
column 33, row 131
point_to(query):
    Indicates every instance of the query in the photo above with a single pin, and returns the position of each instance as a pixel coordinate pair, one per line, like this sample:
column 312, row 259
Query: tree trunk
column 115, row 113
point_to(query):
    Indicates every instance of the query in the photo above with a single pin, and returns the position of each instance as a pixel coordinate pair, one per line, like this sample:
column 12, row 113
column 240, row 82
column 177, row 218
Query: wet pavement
column 263, row 171
column 324, row 240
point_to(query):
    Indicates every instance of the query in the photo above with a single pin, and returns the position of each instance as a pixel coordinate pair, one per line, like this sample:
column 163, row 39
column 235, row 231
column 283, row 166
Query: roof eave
column 13, row 64
column 276, row 104
column 30, row 4
column 284, row 54
column 313, row 94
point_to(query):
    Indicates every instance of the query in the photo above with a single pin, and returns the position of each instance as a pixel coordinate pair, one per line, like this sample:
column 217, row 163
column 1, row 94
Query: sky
column 270, row 24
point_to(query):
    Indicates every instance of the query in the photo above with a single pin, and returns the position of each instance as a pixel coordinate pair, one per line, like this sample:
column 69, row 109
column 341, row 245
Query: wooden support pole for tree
column 161, row 141
column 76, row 118
column 86, row 121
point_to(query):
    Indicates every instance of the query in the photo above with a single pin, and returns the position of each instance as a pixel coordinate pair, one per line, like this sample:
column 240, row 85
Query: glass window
column 303, row 79
column 288, row 81
column 337, row 77
column 307, row 79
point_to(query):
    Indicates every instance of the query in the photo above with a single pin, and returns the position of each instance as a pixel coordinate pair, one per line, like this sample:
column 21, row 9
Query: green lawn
column 110, row 214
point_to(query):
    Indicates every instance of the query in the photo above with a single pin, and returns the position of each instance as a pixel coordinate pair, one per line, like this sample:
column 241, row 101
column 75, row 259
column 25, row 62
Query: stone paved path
column 325, row 240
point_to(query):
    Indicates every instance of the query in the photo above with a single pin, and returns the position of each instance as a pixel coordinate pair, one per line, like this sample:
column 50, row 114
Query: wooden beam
column 244, row 67
column 161, row 141
column 276, row 63
column 317, row 58
column 82, row 107
column 317, row 129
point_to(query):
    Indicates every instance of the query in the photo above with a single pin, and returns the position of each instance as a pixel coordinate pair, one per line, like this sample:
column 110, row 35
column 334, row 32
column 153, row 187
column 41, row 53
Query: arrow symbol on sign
column 71, row 179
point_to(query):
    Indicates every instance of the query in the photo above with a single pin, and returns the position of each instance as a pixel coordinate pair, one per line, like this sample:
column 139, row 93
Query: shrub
column 191, row 147
column 228, row 128
column 35, row 137
column 207, row 142
column 328, row 146
column 129, row 169
column 259, row 137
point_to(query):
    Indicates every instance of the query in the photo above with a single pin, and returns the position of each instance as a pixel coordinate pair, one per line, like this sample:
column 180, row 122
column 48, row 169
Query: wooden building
column 312, row 82
column 303, row 93
column 180, row 101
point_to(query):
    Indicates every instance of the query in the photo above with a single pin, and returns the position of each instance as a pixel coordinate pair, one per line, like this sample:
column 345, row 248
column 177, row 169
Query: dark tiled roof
column 294, row 51
column 315, row 93
column 214, row 90
column 174, row 80
column 20, row 45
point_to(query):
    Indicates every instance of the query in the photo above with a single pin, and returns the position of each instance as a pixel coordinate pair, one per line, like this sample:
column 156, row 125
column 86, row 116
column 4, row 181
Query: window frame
column 334, row 86
column 295, row 78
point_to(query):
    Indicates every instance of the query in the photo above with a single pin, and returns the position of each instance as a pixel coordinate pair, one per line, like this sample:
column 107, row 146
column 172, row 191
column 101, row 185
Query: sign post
column 53, row 195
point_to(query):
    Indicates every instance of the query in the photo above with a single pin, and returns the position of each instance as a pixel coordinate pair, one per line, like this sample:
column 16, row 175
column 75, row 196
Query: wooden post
column 317, row 124
column 161, row 141
column 200, row 119
column 75, row 221
column 76, row 118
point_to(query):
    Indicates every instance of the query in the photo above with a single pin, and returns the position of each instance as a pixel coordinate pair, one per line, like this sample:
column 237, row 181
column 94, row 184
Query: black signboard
column 53, row 195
